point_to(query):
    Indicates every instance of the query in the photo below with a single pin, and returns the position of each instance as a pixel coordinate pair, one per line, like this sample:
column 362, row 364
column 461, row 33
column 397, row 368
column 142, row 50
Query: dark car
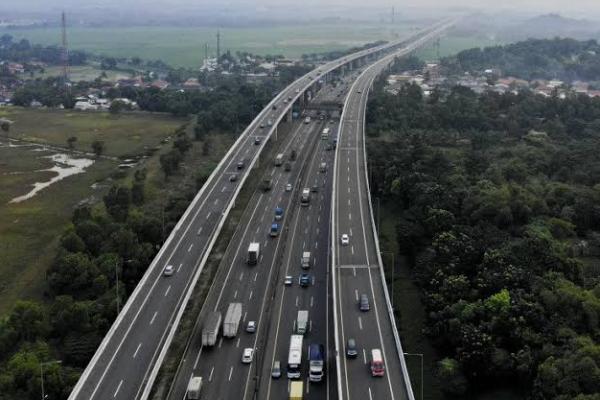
column 314, row 189
column 351, row 351
column 241, row 165
column 304, row 280
column 233, row 177
column 257, row 140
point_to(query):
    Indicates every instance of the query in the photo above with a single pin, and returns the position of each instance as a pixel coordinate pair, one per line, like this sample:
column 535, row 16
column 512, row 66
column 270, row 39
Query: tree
column 170, row 162
column 116, row 106
column 71, row 142
column 454, row 380
column 28, row 319
column 73, row 274
column 117, row 202
column 98, row 147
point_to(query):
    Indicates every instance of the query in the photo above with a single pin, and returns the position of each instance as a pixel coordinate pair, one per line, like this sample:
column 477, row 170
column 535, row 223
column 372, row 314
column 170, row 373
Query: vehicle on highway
column 276, row 370
column 210, row 330
column 279, row 159
column 278, row 213
column 287, row 167
column 194, row 388
column 285, row 100
column 325, row 134
column 323, row 167
column 359, row 91
column 293, row 155
column 288, row 280
column 307, row 120
column 296, row 390
column 351, row 351
column 304, row 280
column 274, row 232
column 274, row 107
column 316, row 362
column 262, row 126
column 290, row 98
column 241, row 165
column 247, row 355
column 168, row 271
column 233, row 177
column 297, row 90
column 329, row 147
column 288, row 187
column 257, row 140
column 363, row 303
column 253, row 253
column 314, row 189
column 232, row 320
column 251, row 327
column 269, row 122
column 377, row 366
column 345, row 239
column 301, row 322
column 305, row 260
column 266, row 184
column 295, row 357
column 305, row 198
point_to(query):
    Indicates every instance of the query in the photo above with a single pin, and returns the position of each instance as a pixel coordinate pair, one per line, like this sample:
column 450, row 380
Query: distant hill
column 549, row 26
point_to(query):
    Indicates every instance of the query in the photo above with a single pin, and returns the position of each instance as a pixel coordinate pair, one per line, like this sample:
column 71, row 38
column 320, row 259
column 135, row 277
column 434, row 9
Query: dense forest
column 566, row 59
column 500, row 219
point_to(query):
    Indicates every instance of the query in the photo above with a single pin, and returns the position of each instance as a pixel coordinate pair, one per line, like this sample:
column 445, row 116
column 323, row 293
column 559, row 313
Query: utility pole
column 218, row 45
column 421, row 356
column 117, row 285
column 42, row 374
column 64, row 52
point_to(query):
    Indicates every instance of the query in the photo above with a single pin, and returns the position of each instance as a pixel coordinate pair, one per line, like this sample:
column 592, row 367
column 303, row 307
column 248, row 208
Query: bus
column 325, row 134
column 295, row 357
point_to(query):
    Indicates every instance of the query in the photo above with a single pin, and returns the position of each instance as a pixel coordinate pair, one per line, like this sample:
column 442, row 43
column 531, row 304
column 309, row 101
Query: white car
column 288, row 280
column 288, row 187
column 345, row 239
column 251, row 327
column 247, row 355
column 168, row 271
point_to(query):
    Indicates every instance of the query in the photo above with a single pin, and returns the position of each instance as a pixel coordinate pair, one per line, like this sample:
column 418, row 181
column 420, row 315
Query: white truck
column 210, row 331
column 279, row 160
column 194, row 388
column 305, row 262
column 232, row 320
column 253, row 253
column 305, row 198
column 302, row 322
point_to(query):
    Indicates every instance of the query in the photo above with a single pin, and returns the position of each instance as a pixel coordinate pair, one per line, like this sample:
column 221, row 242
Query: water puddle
column 64, row 166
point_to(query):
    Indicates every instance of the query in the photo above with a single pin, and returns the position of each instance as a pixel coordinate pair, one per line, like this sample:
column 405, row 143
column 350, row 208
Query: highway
column 357, row 267
column 128, row 359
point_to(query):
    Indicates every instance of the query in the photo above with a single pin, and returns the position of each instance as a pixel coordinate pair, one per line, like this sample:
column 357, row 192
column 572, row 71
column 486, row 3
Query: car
column 233, row 177
column 269, row 122
column 298, row 90
column 257, row 140
column 314, row 189
column 351, row 351
column 276, row 371
column 288, row 187
column 363, row 303
column 304, row 280
column 359, row 91
column 247, row 355
column 262, row 126
column 345, row 239
column 285, row 100
column 251, row 327
column 274, row 106
column 241, row 165
column 290, row 98
column 168, row 271
column 288, row 280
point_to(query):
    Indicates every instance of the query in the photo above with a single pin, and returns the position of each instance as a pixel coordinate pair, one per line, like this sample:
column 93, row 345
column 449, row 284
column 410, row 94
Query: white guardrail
column 155, row 268
column 383, row 63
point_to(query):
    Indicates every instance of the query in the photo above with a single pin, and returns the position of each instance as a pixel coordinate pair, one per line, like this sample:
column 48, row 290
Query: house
column 85, row 106
column 160, row 84
column 192, row 83
column 35, row 104
column 16, row 68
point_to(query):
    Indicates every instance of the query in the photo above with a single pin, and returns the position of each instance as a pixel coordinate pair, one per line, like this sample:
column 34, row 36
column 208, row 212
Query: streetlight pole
column 393, row 277
column 117, row 285
column 42, row 374
column 420, row 355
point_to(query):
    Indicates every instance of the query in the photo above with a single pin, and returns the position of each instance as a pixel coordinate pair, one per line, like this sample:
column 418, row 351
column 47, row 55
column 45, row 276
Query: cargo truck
column 232, row 320
column 305, row 262
column 279, row 160
column 210, row 331
column 253, row 253
column 302, row 322
column 296, row 390
column 316, row 362
column 274, row 230
column 194, row 388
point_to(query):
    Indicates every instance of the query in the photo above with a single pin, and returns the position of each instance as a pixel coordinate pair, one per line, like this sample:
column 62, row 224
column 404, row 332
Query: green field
column 83, row 73
column 30, row 230
column 185, row 46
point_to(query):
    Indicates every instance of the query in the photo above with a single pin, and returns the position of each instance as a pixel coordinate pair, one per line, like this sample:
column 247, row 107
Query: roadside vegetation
column 497, row 213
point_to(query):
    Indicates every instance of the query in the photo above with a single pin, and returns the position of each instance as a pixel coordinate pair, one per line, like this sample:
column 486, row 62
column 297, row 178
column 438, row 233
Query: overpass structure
column 127, row 361
column 357, row 266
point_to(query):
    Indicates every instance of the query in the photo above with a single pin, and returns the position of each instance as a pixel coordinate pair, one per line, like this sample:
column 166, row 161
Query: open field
column 125, row 134
column 83, row 73
column 30, row 230
column 452, row 44
column 185, row 46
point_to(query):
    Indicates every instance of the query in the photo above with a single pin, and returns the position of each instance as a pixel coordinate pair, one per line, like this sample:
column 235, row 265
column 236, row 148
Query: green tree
column 98, row 147
column 71, row 142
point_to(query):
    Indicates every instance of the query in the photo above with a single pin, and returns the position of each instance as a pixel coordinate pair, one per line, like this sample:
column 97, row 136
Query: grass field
column 185, row 46
column 30, row 230
column 83, row 73
column 125, row 134
column 451, row 45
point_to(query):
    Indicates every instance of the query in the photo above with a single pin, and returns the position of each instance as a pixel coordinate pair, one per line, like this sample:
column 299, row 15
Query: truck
column 232, row 320
column 194, row 388
column 296, row 390
column 307, row 120
column 210, row 331
column 294, row 366
column 278, row 213
column 323, row 167
column 279, row 159
column 274, row 230
column 325, row 134
column 253, row 253
column 316, row 362
column 302, row 322
column 305, row 198
column 266, row 184
column 305, row 261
